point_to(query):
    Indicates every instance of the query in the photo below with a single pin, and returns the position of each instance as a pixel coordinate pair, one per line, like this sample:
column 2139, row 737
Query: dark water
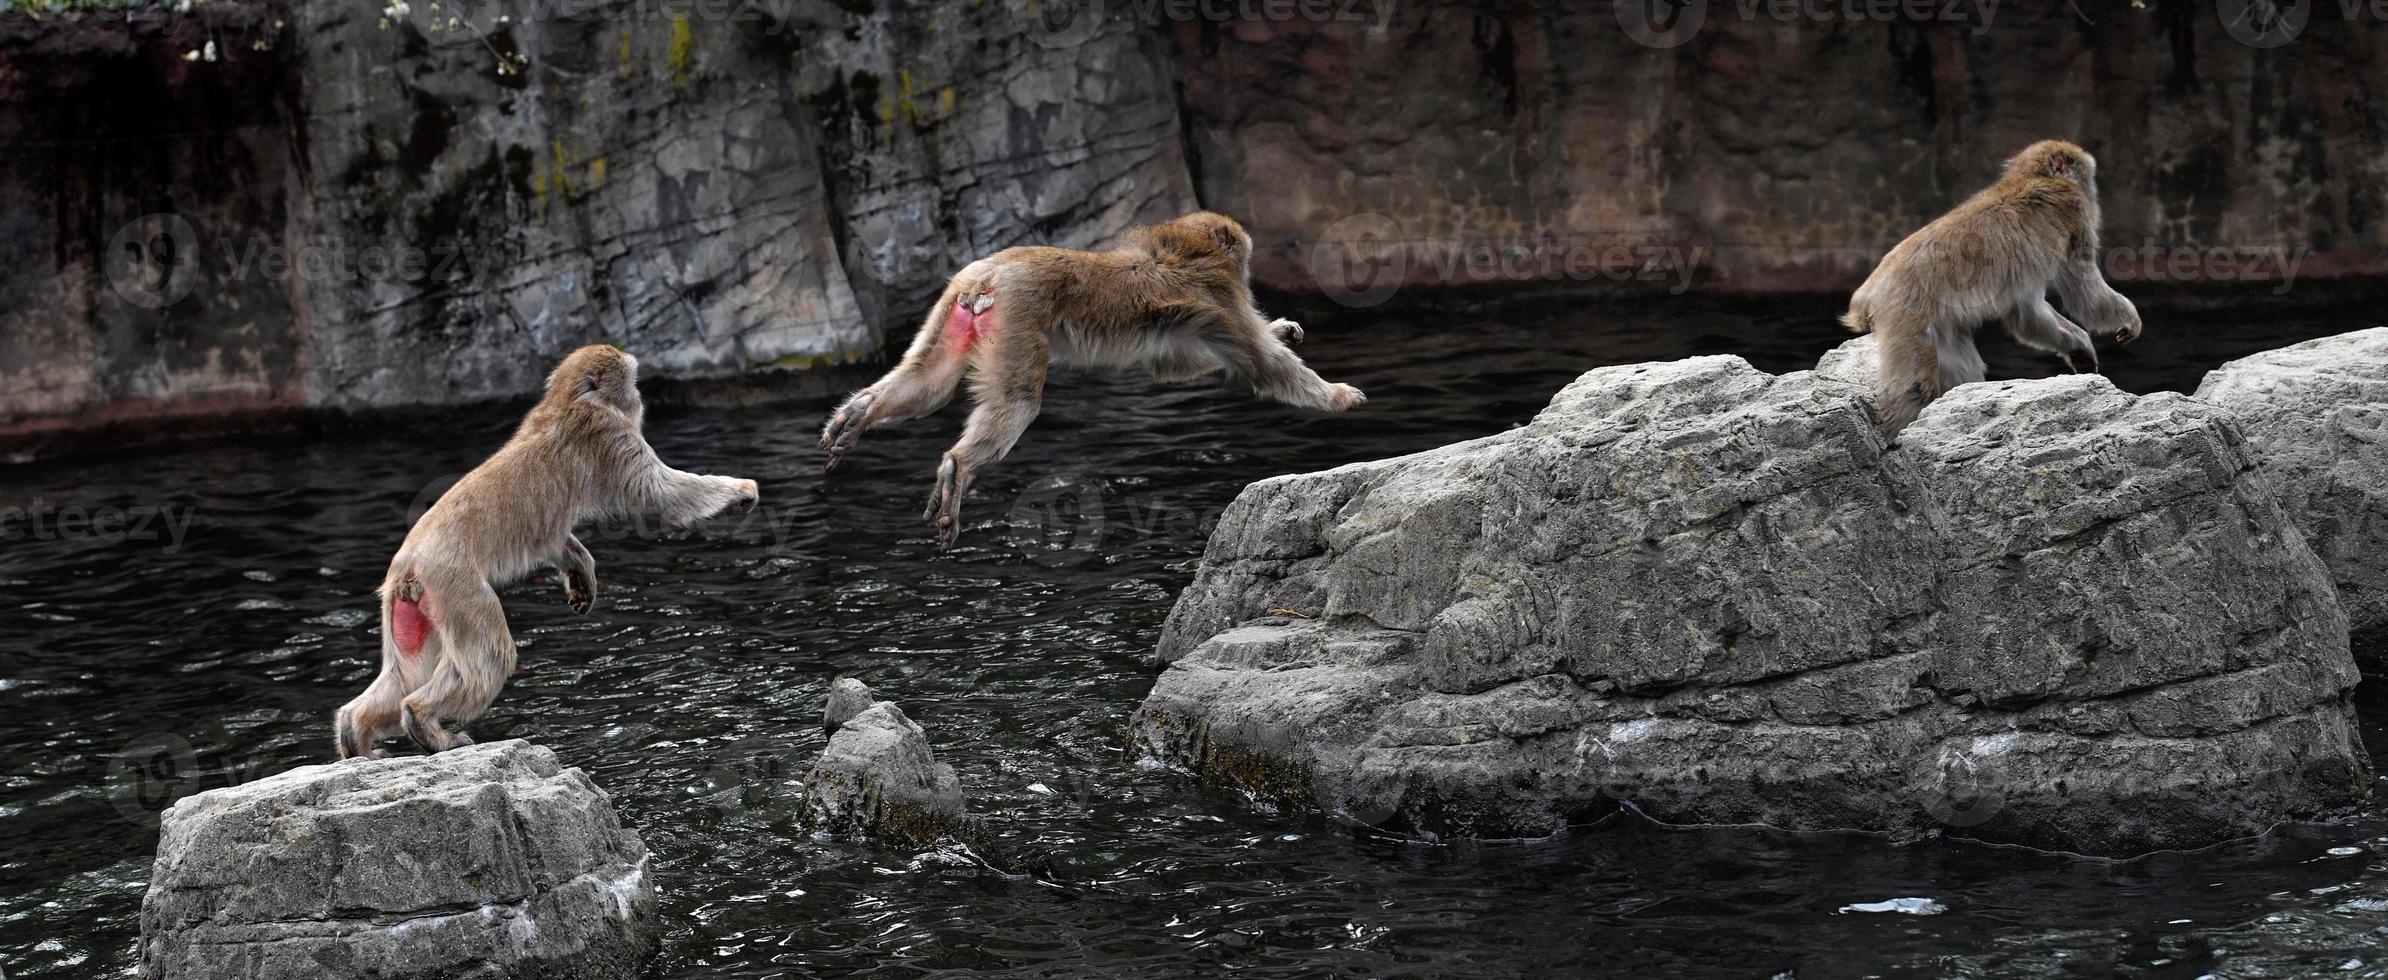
column 134, row 671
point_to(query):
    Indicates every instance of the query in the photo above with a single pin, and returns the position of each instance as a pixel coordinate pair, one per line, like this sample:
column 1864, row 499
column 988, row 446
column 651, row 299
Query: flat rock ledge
column 485, row 861
column 2316, row 415
column 878, row 778
column 2057, row 615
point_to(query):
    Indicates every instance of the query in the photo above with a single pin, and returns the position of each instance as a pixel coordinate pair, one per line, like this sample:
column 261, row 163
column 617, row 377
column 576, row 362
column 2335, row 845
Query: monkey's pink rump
column 409, row 626
column 968, row 327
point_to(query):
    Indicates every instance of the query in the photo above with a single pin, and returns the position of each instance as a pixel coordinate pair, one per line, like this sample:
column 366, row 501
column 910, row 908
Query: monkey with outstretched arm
column 1994, row 257
column 1174, row 299
column 579, row 455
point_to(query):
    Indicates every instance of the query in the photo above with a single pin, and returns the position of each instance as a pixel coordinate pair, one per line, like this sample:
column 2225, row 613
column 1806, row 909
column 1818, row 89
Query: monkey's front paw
column 1286, row 331
column 2073, row 362
column 1346, row 398
column 846, row 427
column 749, row 493
column 2128, row 333
column 580, row 599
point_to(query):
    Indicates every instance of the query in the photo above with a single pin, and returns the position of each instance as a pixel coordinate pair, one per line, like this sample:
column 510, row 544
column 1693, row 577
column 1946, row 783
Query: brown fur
column 1996, row 256
column 1174, row 299
column 578, row 455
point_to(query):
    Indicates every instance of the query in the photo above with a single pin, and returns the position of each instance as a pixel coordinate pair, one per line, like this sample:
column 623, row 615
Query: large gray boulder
column 1852, row 362
column 2058, row 615
column 485, row 861
column 879, row 778
column 2316, row 416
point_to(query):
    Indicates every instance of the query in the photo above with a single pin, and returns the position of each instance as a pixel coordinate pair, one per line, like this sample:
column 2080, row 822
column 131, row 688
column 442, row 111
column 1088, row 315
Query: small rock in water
column 847, row 697
column 878, row 778
column 1902, row 906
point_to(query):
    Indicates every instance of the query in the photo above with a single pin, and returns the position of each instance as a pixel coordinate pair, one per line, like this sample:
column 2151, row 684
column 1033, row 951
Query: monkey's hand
column 1286, row 331
column 2073, row 362
column 846, row 426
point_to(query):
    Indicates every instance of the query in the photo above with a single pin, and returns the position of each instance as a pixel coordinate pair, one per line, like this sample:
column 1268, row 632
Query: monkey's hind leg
column 925, row 380
column 364, row 720
column 1006, row 391
column 477, row 655
column 1908, row 373
column 2039, row 326
column 371, row 715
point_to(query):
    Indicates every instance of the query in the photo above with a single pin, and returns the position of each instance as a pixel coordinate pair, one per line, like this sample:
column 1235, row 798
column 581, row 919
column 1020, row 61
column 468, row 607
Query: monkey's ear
column 1226, row 238
column 591, row 382
column 2061, row 166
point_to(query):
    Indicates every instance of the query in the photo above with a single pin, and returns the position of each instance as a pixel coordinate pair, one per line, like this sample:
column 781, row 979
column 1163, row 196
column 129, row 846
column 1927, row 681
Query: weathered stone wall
column 373, row 207
column 1778, row 155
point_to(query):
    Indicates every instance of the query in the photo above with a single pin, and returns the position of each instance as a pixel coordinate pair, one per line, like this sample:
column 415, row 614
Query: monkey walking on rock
column 578, row 455
column 1996, row 256
column 1175, row 299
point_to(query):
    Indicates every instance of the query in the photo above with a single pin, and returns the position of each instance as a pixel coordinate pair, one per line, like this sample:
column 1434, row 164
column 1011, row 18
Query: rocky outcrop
column 488, row 861
column 2058, row 615
column 879, row 778
column 2316, row 416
